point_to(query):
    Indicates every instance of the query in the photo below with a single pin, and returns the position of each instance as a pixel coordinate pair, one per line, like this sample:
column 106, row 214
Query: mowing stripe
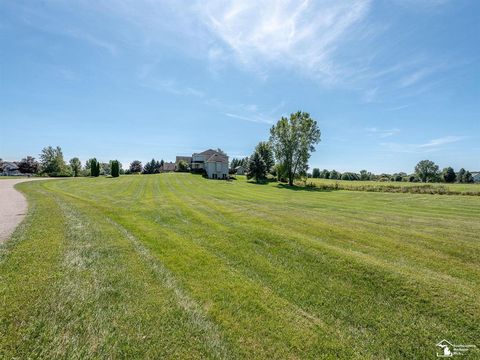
column 212, row 334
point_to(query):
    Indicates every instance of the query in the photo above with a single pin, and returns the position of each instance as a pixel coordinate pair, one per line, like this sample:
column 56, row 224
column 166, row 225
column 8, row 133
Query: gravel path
column 13, row 206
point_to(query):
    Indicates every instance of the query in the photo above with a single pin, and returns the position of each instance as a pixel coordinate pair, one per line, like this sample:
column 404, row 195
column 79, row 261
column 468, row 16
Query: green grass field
column 177, row 266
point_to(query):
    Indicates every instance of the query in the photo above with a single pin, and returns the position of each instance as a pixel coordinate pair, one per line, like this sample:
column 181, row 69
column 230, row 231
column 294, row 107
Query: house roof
column 168, row 166
column 208, row 152
column 187, row 159
column 217, row 157
column 9, row 166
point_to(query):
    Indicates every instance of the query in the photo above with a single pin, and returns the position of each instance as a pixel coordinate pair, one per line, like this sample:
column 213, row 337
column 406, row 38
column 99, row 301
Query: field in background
column 462, row 188
column 177, row 266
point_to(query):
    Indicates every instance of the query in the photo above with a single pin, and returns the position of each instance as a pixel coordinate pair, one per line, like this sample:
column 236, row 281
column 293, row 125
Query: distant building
column 10, row 169
column 240, row 170
column 214, row 163
column 178, row 159
column 476, row 176
column 168, row 166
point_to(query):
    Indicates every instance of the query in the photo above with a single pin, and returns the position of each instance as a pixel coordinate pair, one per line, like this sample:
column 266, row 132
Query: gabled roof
column 9, row 166
column 217, row 157
column 209, row 152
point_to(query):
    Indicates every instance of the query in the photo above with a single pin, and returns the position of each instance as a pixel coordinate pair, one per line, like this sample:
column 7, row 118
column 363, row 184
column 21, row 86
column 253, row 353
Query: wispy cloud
column 301, row 35
column 93, row 40
column 334, row 43
column 253, row 118
column 441, row 141
column 429, row 146
column 382, row 133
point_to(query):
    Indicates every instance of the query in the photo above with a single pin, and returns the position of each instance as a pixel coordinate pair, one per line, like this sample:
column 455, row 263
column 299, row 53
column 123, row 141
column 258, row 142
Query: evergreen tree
column 257, row 169
column 316, row 173
column 265, row 150
column 461, row 175
column 115, row 166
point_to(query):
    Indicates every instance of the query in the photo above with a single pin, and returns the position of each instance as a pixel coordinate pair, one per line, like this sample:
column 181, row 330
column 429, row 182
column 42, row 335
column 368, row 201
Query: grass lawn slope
column 177, row 266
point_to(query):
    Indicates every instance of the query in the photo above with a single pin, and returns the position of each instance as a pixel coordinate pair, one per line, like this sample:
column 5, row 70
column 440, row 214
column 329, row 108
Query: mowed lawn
column 177, row 266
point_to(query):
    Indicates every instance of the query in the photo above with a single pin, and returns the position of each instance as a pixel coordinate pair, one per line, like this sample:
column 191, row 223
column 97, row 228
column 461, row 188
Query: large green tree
column 448, row 175
column 293, row 140
column 316, row 173
column 76, row 166
column 426, row 170
column 52, row 162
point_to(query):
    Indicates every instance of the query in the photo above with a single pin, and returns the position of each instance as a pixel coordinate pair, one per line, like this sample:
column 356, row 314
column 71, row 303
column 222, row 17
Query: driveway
column 13, row 206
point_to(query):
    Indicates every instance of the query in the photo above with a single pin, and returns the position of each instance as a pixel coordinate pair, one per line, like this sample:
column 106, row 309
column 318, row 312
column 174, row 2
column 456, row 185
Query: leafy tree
column 76, row 166
column 182, row 166
column 349, row 176
column 365, row 175
column 426, row 170
column 316, row 173
column 257, row 168
column 448, row 175
column 115, row 168
column 468, row 177
column 28, row 165
column 105, row 169
column 135, row 166
column 1, row 165
column 265, row 150
column 325, row 174
column 461, row 175
column 293, row 140
column 335, row 175
column 52, row 162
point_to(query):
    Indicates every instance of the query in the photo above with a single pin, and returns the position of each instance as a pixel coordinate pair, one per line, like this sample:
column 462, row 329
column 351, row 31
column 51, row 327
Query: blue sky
column 389, row 82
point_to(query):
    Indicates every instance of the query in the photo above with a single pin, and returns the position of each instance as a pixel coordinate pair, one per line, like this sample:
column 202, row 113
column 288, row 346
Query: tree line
column 51, row 162
column 425, row 171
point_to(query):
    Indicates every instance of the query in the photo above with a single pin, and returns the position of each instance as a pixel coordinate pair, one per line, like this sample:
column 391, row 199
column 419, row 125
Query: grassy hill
column 178, row 266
